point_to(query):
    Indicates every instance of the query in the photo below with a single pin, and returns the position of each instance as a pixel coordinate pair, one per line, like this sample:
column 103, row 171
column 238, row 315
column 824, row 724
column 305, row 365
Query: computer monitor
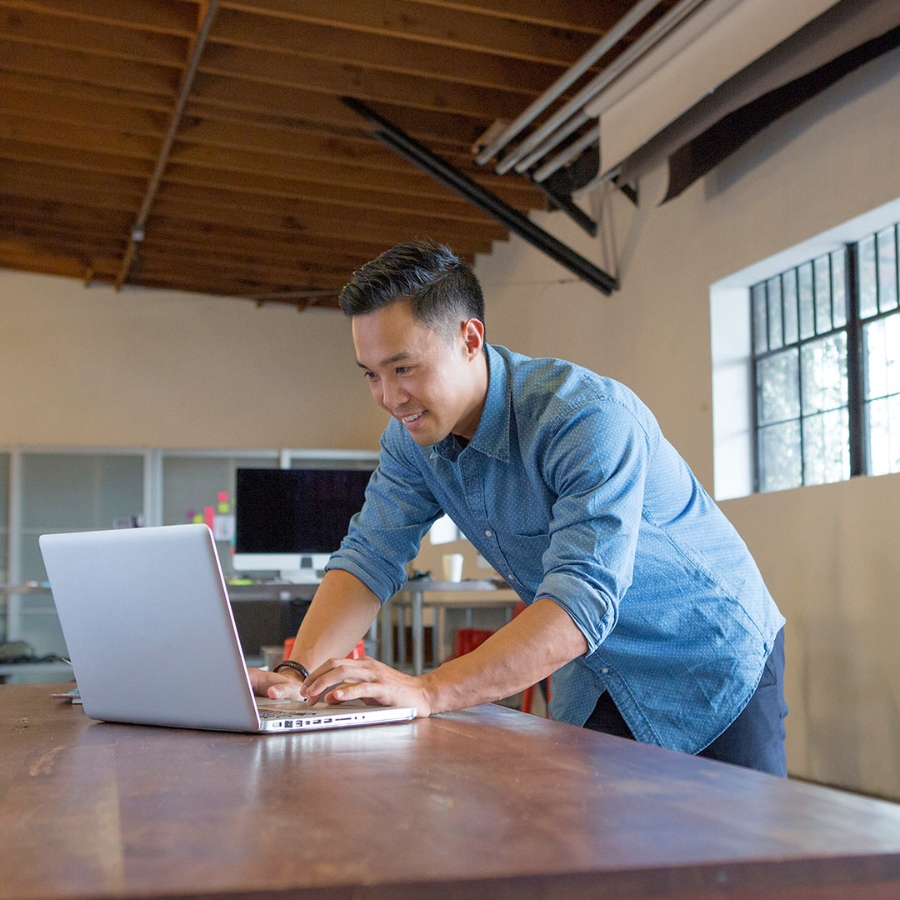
column 291, row 520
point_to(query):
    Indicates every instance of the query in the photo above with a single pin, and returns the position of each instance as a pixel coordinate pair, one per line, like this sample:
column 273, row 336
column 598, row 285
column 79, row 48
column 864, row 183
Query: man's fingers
column 274, row 685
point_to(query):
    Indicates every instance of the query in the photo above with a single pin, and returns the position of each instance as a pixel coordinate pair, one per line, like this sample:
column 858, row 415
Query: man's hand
column 339, row 680
column 276, row 685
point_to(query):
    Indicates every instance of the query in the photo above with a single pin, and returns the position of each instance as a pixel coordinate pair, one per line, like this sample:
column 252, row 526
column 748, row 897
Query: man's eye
column 370, row 376
column 403, row 370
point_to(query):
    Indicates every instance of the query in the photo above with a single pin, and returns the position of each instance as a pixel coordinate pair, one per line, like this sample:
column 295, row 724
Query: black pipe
column 412, row 151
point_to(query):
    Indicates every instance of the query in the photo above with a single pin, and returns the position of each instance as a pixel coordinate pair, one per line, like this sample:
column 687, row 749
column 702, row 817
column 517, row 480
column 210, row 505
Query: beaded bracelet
column 290, row 664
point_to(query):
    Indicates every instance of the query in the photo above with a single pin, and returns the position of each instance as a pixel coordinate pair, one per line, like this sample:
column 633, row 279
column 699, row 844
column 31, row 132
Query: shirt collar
column 492, row 435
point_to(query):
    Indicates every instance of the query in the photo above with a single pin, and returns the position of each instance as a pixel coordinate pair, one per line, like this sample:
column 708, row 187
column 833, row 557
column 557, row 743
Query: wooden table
column 486, row 803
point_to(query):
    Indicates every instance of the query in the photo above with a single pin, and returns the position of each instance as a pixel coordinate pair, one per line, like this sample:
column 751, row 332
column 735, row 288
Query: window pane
column 80, row 491
column 839, row 287
column 883, row 421
column 760, row 332
column 780, row 465
column 805, row 295
column 887, row 270
column 778, row 388
column 868, row 280
column 824, row 379
column 826, row 447
column 881, row 348
column 822, row 276
column 773, row 291
column 75, row 492
column 789, row 300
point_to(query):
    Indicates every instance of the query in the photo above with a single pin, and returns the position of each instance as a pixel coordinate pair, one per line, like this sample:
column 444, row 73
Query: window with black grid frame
column 826, row 357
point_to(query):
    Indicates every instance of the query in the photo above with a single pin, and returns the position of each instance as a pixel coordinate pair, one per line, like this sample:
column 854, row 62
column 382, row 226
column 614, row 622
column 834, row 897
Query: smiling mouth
column 408, row 420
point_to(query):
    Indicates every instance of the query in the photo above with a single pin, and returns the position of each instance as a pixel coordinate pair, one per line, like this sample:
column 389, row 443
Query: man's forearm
column 526, row 650
column 341, row 613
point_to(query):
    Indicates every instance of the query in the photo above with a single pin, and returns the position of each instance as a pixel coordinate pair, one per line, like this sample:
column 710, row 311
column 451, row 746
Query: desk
column 482, row 804
column 414, row 594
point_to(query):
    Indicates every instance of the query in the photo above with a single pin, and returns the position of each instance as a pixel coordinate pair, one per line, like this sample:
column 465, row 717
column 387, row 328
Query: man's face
column 433, row 385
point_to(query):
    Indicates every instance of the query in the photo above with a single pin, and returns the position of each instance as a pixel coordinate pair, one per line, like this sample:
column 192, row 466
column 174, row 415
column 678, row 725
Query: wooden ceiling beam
column 226, row 261
column 256, row 190
column 331, row 78
column 58, row 224
column 316, row 110
column 83, row 112
column 89, row 258
column 83, row 195
column 84, row 137
column 242, row 289
column 16, row 211
column 388, row 231
column 579, row 15
column 272, row 184
column 57, row 235
column 134, row 139
column 244, row 239
column 175, row 272
column 47, row 85
column 165, row 265
column 303, row 213
column 390, row 54
column 343, row 198
column 162, row 16
column 445, row 27
column 410, row 181
column 121, row 185
column 93, row 38
column 25, row 260
column 70, row 66
column 360, row 150
column 72, row 158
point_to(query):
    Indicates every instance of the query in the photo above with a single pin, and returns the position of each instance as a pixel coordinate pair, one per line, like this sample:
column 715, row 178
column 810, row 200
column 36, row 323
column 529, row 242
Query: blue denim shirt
column 569, row 489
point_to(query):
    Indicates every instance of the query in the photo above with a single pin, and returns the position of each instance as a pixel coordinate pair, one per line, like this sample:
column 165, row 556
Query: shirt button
column 487, row 534
column 605, row 670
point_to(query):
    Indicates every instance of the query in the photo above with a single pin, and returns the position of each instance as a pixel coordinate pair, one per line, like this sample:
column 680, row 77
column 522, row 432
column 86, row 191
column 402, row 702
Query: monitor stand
column 311, row 570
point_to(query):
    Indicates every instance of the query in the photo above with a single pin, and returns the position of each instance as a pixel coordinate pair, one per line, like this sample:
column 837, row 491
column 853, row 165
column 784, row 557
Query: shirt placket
column 473, row 468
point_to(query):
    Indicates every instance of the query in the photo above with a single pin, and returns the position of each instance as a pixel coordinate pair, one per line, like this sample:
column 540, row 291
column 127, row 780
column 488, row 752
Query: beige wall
column 89, row 366
column 829, row 554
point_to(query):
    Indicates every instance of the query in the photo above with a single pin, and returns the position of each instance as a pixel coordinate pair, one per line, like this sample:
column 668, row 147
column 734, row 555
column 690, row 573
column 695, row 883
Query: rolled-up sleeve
column 596, row 464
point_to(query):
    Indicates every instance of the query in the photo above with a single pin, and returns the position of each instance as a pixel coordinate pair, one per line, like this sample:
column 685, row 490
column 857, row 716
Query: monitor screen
column 296, row 510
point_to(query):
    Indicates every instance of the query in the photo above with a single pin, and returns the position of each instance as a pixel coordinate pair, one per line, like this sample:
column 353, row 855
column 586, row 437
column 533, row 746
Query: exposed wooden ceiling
column 270, row 187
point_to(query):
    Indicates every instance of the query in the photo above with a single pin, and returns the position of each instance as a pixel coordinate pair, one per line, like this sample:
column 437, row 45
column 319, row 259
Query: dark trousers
column 756, row 737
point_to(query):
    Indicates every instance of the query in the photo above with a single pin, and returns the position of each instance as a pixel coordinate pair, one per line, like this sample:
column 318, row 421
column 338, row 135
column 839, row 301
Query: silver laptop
column 150, row 632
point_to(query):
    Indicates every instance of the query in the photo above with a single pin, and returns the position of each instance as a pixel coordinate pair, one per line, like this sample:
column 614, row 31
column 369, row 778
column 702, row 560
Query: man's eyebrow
column 386, row 362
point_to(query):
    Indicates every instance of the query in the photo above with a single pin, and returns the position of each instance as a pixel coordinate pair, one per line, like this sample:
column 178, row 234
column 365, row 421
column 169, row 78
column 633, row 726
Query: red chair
column 467, row 639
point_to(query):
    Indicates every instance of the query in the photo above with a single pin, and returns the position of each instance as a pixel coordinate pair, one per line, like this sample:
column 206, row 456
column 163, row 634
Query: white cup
column 272, row 655
column 453, row 566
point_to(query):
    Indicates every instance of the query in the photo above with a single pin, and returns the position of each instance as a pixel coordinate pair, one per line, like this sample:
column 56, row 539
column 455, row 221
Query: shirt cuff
column 590, row 610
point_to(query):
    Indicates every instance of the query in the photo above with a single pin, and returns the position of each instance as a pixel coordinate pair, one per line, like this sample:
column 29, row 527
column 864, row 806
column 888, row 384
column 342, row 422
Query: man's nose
column 393, row 394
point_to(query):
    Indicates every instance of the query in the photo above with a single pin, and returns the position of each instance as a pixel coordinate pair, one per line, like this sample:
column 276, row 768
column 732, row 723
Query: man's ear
column 473, row 336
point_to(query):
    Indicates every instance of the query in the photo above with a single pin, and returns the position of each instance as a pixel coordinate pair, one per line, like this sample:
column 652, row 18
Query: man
column 643, row 602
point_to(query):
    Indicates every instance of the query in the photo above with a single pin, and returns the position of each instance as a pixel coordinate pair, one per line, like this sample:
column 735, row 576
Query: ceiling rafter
column 249, row 177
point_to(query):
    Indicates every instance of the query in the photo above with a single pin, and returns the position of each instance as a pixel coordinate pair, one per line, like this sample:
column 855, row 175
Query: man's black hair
column 442, row 289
